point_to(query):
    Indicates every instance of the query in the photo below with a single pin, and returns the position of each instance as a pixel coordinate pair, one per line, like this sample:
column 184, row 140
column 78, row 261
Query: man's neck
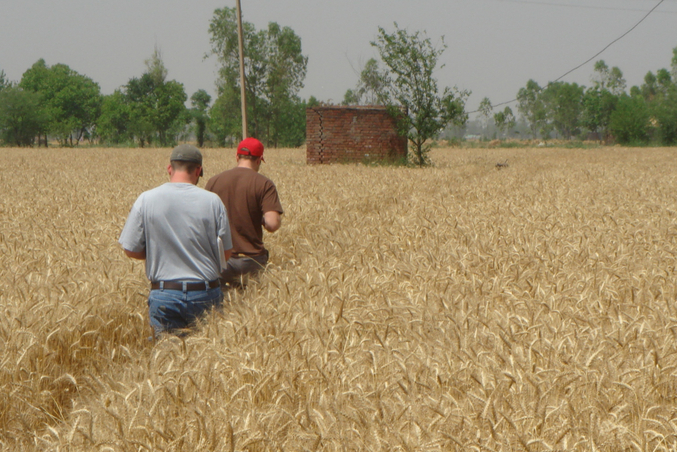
column 246, row 163
column 181, row 177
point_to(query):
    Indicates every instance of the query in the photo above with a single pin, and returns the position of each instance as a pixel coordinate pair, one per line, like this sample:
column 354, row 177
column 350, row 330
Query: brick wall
column 351, row 134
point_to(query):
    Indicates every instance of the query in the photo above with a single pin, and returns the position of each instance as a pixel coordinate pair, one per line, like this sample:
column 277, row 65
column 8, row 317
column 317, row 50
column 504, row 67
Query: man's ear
column 202, row 172
column 169, row 169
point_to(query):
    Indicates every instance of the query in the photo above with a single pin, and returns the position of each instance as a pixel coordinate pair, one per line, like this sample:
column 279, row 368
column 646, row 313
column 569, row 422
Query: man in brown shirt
column 252, row 204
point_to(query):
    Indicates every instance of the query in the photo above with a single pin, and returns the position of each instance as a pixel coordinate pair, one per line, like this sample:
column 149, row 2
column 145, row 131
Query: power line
column 567, row 5
column 588, row 60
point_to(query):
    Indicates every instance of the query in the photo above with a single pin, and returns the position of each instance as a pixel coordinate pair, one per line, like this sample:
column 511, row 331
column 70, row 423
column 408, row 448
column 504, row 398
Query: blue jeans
column 172, row 310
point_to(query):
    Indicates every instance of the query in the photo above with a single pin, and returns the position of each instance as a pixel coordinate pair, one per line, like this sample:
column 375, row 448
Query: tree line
column 645, row 114
column 57, row 103
column 606, row 110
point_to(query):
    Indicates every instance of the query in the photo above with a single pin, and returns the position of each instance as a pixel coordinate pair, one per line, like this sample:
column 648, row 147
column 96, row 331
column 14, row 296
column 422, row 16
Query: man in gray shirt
column 176, row 229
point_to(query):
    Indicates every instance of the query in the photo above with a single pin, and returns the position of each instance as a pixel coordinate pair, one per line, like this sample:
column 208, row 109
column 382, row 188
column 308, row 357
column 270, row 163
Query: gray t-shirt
column 178, row 225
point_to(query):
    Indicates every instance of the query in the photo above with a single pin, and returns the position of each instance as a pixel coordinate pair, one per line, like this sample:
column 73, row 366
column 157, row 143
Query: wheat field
column 463, row 307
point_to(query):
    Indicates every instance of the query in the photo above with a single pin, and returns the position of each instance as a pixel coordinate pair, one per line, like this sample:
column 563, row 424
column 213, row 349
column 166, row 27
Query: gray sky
column 494, row 46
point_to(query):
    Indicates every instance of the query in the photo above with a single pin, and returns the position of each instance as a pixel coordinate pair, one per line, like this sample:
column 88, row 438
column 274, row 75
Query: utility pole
column 240, row 39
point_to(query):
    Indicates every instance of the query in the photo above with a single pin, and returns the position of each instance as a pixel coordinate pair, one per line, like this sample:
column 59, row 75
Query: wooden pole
column 243, row 90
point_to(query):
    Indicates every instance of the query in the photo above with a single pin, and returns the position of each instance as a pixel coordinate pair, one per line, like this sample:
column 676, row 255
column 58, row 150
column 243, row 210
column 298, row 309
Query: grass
column 457, row 307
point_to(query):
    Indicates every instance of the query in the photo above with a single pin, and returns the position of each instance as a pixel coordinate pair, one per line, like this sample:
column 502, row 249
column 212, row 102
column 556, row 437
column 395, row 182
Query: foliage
column 598, row 105
column 409, row 84
column 505, row 120
column 370, row 86
column 21, row 118
column 629, row 123
column 72, row 102
column 531, row 107
column 665, row 114
column 275, row 69
column 608, row 79
column 157, row 110
column 485, row 109
column 114, row 124
column 563, row 106
column 224, row 123
column 4, row 83
column 200, row 101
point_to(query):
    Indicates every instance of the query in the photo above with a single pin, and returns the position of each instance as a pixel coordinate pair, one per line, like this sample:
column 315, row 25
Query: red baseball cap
column 250, row 146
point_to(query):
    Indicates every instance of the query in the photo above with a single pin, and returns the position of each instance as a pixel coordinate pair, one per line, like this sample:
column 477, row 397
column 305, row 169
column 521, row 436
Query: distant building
column 347, row 134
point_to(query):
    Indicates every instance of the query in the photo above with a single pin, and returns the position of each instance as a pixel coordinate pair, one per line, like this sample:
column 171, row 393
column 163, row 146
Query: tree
column 4, row 83
column 72, row 102
column 649, row 88
column 598, row 105
column 351, row 97
column 114, row 123
column 370, row 86
column 505, row 120
column 665, row 113
column 21, row 117
column 485, row 110
column 629, row 123
column 563, row 105
column 532, row 109
column 409, row 85
column 275, row 69
column 608, row 79
column 225, row 123
column 157, row 109
column 200, row 101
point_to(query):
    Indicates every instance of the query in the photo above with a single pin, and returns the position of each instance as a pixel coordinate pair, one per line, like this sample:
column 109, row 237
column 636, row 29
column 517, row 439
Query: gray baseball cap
column 186, row 153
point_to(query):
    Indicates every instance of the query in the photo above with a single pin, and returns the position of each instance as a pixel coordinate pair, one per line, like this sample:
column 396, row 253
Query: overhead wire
column 586, row 61
column 568, row 5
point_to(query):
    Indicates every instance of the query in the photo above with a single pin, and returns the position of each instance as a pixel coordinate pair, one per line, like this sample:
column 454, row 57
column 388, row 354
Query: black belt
column 190, row 287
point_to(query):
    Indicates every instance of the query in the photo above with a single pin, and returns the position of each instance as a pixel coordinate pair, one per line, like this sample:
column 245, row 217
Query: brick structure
column 337, row 134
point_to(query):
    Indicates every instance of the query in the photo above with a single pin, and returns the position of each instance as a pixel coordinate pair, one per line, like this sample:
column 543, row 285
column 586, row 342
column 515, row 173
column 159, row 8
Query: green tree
column 598, row 105
column 649, row 88
column 532, row 109
column 4, row 83
column 21, row 117
column 200, row 101
column 275, row 69
column 608, row 79
column 114, row 123
column 140, row 96
column 351, row 97
column 485, row 110
column 629, row 123
column 370, row 86
column 312, row 102
column 563, row 105
column 409, row 85
column 71, row 101
column 157, row 110
column 505, row 120
column 225, row 123
column 665, row 114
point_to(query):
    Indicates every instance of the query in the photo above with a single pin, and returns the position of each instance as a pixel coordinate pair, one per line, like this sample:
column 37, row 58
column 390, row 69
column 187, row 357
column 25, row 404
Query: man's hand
column 272, row 221
column 141, row 255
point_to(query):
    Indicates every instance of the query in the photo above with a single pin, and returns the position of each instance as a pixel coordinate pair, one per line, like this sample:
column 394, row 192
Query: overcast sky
column 494, row 46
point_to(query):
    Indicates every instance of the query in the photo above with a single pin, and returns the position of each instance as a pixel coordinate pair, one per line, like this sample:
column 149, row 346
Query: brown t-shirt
column 247, row 195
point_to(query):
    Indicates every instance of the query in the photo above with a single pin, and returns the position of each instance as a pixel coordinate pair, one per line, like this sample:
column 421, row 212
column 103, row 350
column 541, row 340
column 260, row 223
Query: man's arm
column 141, row 255
column 272, row 221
